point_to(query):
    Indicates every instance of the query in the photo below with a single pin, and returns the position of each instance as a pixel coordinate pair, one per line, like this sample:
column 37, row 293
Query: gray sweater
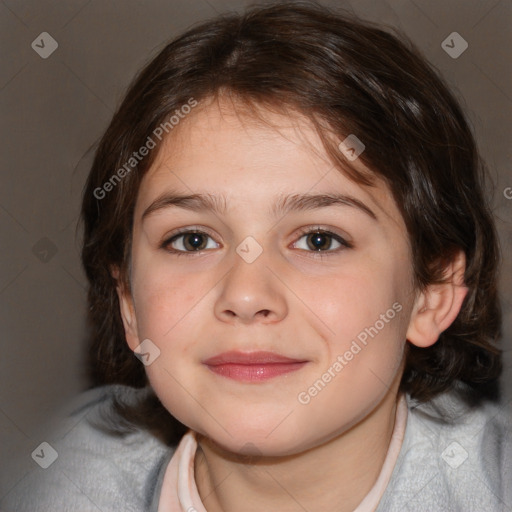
column 459, row 466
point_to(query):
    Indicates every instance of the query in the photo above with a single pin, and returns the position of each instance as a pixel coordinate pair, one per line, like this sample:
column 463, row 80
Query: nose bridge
column 250, row 289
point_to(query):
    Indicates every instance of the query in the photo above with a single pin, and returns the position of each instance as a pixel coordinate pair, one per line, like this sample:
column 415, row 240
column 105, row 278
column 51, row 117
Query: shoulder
column 454, row 457
column 89, row 467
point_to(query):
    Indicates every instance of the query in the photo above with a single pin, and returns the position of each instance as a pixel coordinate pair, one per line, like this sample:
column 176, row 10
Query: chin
column 271, row 439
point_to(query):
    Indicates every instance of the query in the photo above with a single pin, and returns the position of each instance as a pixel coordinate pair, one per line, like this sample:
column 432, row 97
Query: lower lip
column 255, row 372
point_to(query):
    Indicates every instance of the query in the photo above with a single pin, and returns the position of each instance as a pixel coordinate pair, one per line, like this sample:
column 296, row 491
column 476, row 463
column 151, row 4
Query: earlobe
column 438, row 305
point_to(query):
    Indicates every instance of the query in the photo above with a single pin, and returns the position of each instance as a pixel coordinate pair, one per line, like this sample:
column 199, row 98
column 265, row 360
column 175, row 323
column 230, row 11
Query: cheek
column 170, row 313
column 163, row 297
column 366, row 318
column 364, row 362
column 347, row 303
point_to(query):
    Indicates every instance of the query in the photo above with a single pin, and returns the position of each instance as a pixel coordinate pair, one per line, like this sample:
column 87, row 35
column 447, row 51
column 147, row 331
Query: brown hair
column 347, row 77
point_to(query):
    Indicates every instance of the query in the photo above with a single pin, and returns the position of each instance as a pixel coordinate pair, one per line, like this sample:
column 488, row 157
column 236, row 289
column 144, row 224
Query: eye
column 316, row 240
column 319, row 240
column 188, row 241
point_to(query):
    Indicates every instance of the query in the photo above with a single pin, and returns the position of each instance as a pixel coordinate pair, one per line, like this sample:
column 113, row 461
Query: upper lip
column 248, row 358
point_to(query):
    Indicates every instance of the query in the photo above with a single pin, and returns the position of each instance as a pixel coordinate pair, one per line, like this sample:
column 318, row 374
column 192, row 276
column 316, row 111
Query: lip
column 252, row 366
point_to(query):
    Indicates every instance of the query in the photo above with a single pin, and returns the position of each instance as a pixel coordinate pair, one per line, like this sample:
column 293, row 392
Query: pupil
column 319, row 241
column 194, row 241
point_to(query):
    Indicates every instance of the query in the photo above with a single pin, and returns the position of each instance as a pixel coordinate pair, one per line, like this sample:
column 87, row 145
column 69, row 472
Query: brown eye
column 194, row 241
column 319, row 241
column 188, row 241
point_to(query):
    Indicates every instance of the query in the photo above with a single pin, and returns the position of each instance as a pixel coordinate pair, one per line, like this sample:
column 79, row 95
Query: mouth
column 252, row 366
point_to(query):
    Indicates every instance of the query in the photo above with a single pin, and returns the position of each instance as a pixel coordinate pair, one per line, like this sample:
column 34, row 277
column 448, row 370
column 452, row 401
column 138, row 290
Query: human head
column 347, row 77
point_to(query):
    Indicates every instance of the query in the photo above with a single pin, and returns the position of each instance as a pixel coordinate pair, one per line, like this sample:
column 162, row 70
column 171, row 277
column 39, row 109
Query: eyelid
column 189, row 229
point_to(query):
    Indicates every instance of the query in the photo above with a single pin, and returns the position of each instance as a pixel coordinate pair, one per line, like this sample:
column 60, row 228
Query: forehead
column 229, row 152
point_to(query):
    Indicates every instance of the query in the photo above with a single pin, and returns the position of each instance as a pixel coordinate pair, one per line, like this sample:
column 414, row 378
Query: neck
column 335, row 475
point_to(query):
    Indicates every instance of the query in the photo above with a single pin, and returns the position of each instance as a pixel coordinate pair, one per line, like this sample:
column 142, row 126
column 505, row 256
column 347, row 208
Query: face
column 262, row 277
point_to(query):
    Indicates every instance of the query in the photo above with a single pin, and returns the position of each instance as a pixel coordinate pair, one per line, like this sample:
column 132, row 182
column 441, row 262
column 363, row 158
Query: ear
column 127, row 310
column 437, row 307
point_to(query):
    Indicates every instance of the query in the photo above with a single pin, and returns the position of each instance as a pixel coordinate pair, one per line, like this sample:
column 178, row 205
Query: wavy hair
column 346, row 76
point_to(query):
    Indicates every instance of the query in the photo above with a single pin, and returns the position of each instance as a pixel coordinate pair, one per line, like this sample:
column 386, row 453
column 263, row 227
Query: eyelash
column 305, row 231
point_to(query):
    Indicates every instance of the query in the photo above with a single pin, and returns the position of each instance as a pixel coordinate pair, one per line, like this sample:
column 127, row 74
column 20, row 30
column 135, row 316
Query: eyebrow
column 283, row 205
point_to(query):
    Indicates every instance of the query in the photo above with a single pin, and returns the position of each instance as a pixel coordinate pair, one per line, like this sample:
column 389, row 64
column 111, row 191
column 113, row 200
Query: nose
column 251, row 292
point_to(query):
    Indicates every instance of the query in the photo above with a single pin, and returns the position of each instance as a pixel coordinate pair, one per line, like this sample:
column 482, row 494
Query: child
column 285, row 223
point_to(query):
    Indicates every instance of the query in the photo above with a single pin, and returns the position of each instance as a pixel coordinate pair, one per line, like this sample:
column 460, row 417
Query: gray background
column 55, row 109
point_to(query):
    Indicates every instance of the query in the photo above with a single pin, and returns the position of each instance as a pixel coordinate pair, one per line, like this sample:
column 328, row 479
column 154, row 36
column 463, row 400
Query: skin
column 324, row 455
